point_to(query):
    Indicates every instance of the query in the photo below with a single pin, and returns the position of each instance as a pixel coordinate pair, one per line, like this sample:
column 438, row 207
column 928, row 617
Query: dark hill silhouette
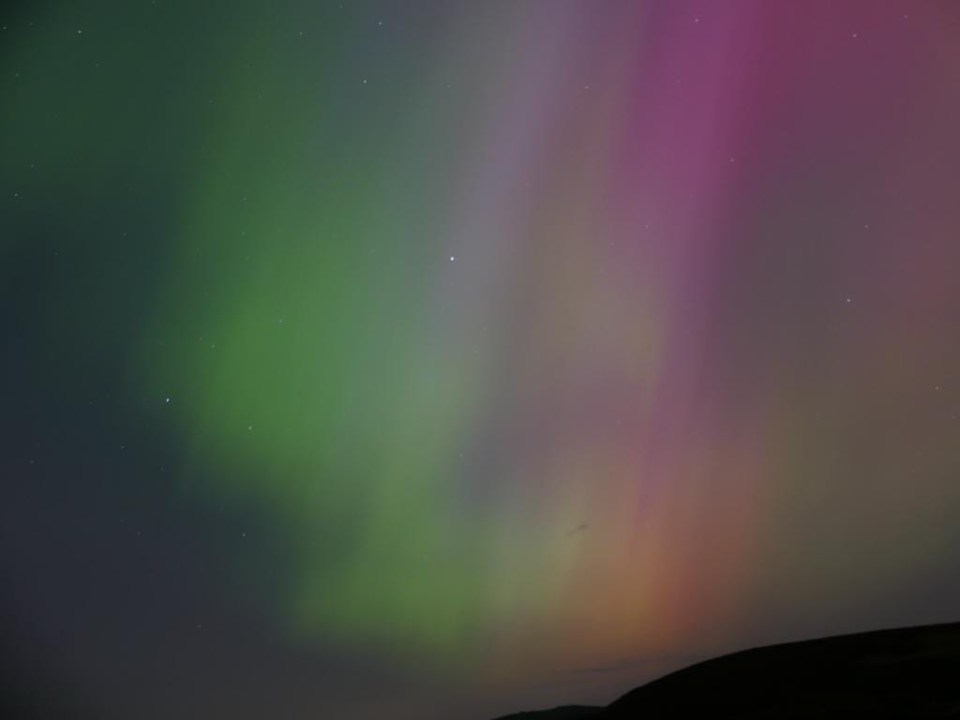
column 567, row 712
column 904, row 673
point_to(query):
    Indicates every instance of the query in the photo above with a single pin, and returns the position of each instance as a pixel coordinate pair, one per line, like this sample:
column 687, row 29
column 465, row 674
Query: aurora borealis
column 439, row 359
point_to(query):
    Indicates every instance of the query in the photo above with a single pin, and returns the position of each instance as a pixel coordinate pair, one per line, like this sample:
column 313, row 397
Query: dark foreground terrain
column 904, row 673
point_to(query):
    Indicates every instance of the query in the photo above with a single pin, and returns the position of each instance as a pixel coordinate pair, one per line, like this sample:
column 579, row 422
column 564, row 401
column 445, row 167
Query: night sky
column 433, row 360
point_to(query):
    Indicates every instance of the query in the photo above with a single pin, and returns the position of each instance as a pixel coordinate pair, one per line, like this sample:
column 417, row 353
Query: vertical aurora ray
column 431, row 341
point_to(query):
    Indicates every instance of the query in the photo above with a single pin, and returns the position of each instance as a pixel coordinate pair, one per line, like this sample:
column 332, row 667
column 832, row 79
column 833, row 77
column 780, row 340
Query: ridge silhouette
column 901, row 673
